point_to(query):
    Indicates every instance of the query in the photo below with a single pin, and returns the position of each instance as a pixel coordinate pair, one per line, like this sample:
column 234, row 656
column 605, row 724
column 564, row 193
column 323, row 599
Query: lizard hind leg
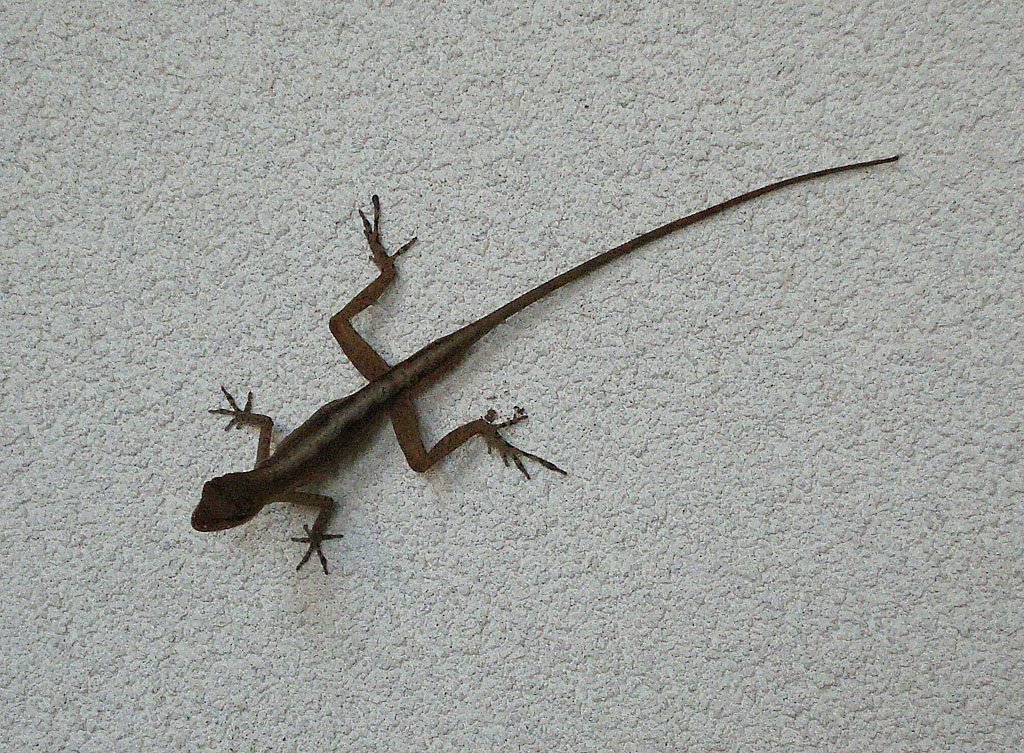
column 363, row 356
column 405, row 421
column 508, row 451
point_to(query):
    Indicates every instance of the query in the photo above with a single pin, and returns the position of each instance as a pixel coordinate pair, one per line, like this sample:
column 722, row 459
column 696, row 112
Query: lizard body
column 234, row 498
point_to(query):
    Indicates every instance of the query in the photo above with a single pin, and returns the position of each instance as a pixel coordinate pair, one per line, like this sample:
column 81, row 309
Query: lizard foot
column 379, row 256
column 314, row 538
column 508, row 451
column 239, row 416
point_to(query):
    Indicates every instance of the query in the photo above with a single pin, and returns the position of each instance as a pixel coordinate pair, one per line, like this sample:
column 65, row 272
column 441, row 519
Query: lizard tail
column 473, row 332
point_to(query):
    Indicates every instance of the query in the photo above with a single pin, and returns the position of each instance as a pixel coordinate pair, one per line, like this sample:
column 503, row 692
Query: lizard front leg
column 244, row 416
column 315, row 536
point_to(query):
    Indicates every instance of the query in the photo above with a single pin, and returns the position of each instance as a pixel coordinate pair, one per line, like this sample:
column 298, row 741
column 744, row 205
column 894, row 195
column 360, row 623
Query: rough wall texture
column 794, row 520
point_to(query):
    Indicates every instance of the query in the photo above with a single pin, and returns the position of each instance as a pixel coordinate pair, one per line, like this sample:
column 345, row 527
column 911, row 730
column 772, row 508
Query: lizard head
column 227, row 501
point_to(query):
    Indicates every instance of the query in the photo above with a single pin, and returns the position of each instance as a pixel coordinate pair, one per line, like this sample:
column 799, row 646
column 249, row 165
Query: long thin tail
column 476, row 330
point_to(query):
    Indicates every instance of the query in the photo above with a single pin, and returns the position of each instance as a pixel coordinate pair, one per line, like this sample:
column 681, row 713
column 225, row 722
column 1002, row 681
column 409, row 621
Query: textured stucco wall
column 794, row 514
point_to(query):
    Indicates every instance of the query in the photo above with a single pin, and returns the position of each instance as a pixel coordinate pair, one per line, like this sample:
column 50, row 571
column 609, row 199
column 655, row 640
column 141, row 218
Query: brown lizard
column 326, row 436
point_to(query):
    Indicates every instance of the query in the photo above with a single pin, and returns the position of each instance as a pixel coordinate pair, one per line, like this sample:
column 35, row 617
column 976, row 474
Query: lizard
column 331, row 433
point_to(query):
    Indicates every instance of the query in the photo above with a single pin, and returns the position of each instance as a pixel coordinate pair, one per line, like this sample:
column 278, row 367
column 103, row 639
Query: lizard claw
column 314, row 538
column 508, row 451
column 405, row 247
column 239, row 416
